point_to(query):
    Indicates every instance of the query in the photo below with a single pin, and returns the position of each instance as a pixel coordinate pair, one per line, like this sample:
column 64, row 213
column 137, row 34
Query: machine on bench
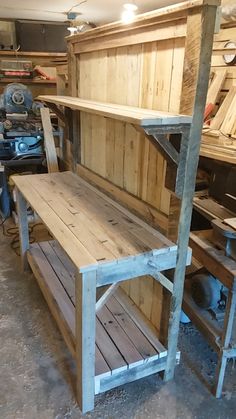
column 21, row 132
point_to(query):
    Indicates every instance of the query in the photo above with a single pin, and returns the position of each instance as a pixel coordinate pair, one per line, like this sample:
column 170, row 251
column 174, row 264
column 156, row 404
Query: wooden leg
column 85, row 288
column 207, row 23
column 221, row 365
column 21, row 205
column 225, row 341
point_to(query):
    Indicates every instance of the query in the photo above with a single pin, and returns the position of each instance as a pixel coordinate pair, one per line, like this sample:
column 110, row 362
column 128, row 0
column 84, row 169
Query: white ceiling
column 96, row 11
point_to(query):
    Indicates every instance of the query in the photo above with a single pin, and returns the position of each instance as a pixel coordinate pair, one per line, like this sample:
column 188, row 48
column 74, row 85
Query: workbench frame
column 201, row 40
column 77, row 324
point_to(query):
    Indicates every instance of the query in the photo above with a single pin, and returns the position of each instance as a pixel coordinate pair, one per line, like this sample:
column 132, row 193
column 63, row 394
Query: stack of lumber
column 219, row 135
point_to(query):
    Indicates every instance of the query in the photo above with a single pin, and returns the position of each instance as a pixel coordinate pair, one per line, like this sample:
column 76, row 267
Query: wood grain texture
column 49, row 144
column 91, row 227
column 155, row 74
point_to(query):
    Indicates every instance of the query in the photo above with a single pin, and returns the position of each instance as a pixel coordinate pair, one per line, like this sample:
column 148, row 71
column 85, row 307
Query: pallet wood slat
column 109, row 350
column 211, row 209
column 215, row 86
column 231, row 222
column 121, row 234
column 49, row 141
column 127, row 349
column 132, row 331
column 220, row 115
column 139, row 319
column 136, row 116
column 214, row 258
column 109, row 359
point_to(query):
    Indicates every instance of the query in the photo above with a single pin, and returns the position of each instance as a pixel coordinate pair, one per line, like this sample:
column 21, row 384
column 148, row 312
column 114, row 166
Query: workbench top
column 92, row 228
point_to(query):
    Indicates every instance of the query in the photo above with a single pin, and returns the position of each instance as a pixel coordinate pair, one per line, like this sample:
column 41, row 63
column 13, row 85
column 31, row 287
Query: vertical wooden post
column 49, row 143
column 74, row 117
column 225, row 341
column 21, row 206
column 85, row 288
column 207, row 22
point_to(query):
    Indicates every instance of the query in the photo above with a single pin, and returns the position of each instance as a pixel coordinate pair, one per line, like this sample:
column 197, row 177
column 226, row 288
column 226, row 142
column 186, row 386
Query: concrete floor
column 35, row 375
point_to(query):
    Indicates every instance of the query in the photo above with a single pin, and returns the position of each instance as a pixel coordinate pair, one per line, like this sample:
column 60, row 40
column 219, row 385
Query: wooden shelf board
column 205, row 251
column 17, row 54
column 137, row 116
column 6, row 80
column 123, row 342
column 211, row 209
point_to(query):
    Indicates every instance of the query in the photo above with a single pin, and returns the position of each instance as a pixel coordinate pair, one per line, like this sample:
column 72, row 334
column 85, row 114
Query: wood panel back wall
column 141, row 65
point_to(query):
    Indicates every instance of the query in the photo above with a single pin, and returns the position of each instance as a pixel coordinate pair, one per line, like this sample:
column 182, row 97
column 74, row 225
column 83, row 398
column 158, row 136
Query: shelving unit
column 219, row 333
column 106, row 243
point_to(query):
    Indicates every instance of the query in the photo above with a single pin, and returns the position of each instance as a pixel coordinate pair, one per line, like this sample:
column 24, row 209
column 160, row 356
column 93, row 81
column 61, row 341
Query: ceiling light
column 72, row 30
column 127, row 16
column 130, row 6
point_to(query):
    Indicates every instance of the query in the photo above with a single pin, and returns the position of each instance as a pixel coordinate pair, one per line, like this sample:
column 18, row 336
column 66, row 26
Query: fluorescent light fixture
column 130, row 6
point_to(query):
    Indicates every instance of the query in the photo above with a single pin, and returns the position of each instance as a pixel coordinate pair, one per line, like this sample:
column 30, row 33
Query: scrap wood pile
column 219, row 130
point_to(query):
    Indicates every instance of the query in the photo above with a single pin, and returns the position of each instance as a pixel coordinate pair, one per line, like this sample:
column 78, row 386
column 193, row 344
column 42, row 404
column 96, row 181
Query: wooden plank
column 80, row 221
column 85, row 290
column 228, row 125
column 62, row 273
column 211, row 209
column 226, row 341
column 132, row 374
column 220, row 115
column 205, row 23
column 123, row 343
column 168, row 13
column 135, row 314
column 218, row 264
column 218, row 153
column 104, row 295
column 144, row 264
column 60, row 304
column 216, row 86
column 58, row 301
column 73, row 202
column 63, row 257
column 148, row 212
column 130, row 328
column 230, row 222
column 108, row 349
column 49, row 141
column 78, row 254
column 164, row 281
column 136, row 116
column 101, row 367
column 159, row 31
column 21, row 205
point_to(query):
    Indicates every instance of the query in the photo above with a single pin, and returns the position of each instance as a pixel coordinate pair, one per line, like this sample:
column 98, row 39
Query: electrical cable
column 13, row 232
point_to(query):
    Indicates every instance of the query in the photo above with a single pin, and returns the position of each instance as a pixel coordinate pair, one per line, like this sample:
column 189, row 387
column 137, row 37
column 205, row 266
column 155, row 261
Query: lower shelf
column 127, row 347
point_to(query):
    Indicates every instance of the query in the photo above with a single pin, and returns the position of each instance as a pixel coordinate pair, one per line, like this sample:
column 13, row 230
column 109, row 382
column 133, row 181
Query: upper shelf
column 136, row 116
column 6, row 80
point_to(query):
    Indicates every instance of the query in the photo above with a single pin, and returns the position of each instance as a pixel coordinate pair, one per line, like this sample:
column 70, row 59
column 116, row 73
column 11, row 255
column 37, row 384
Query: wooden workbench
column 160, row 61
column 97, row 244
